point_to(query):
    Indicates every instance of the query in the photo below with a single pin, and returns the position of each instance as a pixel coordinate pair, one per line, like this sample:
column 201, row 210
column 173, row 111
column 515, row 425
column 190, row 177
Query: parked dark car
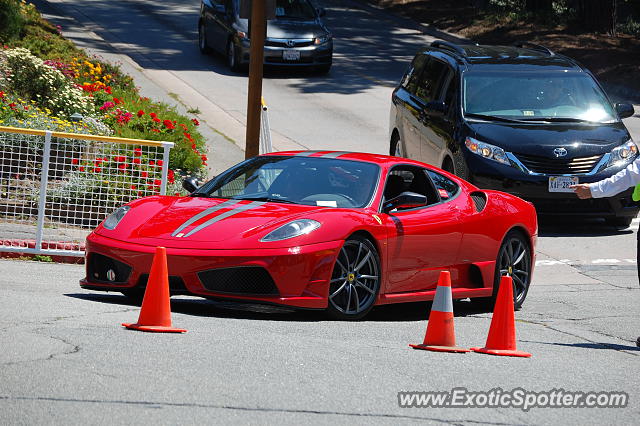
column 295, row 38
column 520, row 119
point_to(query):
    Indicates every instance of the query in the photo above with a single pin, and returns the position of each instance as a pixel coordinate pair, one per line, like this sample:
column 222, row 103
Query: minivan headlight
column 292, row 229
column 623, row 154
column 114, row 218
column 488, row 151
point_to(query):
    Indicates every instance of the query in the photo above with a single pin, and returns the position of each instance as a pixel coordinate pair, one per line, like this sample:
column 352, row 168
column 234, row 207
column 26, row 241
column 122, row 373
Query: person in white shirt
column 626, row 178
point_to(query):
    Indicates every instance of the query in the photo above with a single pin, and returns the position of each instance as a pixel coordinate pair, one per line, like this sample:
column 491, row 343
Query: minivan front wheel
column 202, row 39
column 232, row 56
column 395, row 146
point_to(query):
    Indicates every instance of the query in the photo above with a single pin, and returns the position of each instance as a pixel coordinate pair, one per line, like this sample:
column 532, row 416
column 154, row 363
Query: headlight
column 623, row 154
column 114, row 218
column 486, row 150
column 292, row 229
column 321, row 40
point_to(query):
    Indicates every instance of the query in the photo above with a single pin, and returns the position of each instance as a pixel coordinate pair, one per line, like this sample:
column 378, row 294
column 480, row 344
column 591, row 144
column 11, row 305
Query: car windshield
column 313, row 181
column 295, row 9
column 523, row 96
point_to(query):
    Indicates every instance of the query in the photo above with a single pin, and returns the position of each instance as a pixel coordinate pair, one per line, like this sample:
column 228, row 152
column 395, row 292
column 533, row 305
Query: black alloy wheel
column 514, row 259
column 355, row 281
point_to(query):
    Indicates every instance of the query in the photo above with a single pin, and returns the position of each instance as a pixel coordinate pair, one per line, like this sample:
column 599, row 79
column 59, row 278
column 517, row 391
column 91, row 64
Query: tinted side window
column 412, row 76
column 430, row 80
column 445, row 186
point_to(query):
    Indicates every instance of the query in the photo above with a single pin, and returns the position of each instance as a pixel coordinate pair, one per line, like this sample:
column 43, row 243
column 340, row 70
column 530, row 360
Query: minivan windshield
column 529, row 96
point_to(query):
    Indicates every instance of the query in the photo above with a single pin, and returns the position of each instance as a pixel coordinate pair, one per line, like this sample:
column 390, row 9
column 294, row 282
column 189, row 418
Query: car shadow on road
column 578, row 227
column 591, row 345
column 195, row 306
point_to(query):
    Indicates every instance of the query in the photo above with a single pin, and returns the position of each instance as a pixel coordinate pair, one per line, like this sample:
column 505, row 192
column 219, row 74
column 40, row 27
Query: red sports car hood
column 213, row 220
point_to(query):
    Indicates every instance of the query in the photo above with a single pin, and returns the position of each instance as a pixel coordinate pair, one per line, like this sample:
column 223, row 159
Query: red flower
column 152, row 163
column 157, row 182
column 196, row 122
column 140, row 113
column 157, row 120
column 81, row 169
column 153, row 115
column 97, row 170
column 1, row 94
column 136, row 161
column 169, row 124
column 117, row 101
column 120, row 159
column 137, row 152
column 159, row 163
column 144, row 174
column 155, row 130
column 171, row 176
column 133, row 187
column 122, row 166
column 74, row 161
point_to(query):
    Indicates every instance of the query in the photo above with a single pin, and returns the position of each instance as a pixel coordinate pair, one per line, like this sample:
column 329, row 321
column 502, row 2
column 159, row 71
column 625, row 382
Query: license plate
column 291, row 55
column 562, row 183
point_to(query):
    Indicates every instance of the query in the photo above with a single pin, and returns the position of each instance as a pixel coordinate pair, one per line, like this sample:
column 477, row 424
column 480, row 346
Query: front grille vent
column 176, row 284
column 557, row 166
column 239, row 280
column 105, row 270
column 479, row 199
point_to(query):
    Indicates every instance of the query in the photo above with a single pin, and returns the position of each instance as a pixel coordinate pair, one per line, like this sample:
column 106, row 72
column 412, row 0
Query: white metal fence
column 56, row 187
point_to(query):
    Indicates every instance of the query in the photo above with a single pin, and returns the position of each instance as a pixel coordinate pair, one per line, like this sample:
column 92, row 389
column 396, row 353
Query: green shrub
column 11, row 20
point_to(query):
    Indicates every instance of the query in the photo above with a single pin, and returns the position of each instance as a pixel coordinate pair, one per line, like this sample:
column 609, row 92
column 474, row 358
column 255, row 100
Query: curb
column 46, row 245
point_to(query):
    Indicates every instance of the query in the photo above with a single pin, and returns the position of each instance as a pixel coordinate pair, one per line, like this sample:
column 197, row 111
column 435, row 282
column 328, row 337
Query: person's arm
column 625, row 178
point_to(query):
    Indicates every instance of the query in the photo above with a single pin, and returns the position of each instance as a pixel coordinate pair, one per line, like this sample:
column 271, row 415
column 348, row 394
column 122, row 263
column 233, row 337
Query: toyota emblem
column 291, row 43
column 559, row 152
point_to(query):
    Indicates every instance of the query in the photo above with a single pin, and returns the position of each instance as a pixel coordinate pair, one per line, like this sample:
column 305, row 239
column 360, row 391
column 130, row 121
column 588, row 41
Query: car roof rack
column 449, row 46
column 533, row 46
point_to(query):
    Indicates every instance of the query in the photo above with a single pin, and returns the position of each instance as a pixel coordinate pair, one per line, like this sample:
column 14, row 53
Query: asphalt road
column 65, row 358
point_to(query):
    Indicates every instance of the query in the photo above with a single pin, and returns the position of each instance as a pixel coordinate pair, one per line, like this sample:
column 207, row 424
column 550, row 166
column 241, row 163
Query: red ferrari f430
column 328, row 230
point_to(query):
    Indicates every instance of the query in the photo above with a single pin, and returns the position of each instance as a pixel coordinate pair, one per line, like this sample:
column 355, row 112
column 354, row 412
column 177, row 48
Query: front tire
column 202, row 39
column 395, row 145
column 232, row 56
column 355, row 281
column 514, row 259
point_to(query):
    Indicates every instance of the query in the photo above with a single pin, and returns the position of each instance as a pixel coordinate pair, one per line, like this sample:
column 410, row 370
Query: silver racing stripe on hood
column 306, row 153
column 335, row 154
column 204, row 213
column 225, row 215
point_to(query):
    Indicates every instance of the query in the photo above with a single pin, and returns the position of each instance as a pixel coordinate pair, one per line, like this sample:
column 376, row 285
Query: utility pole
column 257, row 33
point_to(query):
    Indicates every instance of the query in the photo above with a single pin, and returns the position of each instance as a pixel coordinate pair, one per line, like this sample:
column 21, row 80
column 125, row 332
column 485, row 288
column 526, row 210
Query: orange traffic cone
column 155, row 314
column 440, row 336
column 502, row 332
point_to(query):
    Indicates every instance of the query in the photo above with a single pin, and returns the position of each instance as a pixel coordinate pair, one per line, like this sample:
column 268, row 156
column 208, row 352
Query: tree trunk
column 599, row 15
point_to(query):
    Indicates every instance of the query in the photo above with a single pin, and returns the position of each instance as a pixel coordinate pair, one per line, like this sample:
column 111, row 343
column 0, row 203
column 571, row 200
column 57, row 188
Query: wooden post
column 256, row 60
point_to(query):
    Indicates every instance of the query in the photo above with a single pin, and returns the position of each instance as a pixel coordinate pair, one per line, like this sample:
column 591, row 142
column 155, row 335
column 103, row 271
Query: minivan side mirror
column 437, row 108
column 624, row 110
column 190, row 184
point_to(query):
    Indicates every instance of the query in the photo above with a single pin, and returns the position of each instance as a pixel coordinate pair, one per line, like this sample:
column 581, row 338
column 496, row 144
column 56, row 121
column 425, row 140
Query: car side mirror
column 624, row 110
column 190, row 184
column 321, row 11
column 406, row 200
column 437, row 108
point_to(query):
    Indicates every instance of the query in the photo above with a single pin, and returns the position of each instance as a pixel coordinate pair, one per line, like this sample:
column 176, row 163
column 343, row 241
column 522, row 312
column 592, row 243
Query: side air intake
column 479, row 199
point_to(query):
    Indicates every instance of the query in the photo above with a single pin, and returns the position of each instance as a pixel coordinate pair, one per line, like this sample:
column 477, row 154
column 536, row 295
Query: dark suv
column 296, row 37
column 520, row 119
